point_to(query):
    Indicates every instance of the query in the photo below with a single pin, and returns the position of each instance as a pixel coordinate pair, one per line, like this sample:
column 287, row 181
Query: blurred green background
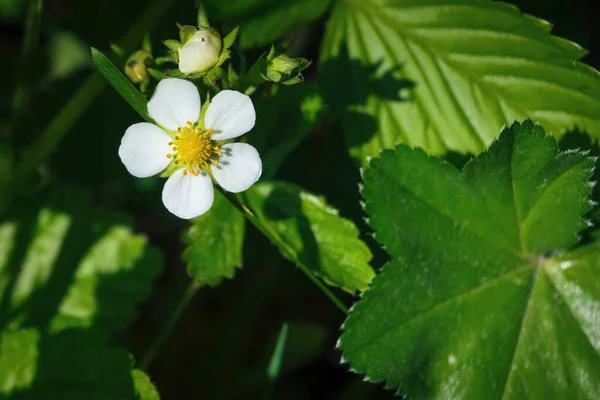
column 221, row 346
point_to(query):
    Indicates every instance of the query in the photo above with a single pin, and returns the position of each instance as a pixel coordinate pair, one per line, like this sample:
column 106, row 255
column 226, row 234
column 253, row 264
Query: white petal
column 174, row 102
column 188, row 196
column 230, row 114
column 144, row 150
column 239, row 167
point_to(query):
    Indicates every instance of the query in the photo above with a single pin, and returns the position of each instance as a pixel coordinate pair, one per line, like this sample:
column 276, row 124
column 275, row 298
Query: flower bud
column 283, row 68
column 200, row 52
column 136, row 67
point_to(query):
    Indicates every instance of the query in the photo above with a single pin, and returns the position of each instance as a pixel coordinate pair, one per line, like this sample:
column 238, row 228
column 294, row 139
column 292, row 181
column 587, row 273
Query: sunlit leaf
column 447, row 74
column 70, row 365
column 65, row 263
column 482, row 299
column 313, row 234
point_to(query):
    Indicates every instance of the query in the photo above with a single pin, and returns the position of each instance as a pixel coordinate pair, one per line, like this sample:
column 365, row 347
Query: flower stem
column 266, row 230
column 164, row 333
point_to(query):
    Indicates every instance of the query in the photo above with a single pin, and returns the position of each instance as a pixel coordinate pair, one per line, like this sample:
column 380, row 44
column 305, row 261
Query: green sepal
column 147, row 43
column 144, row 86
column 203, row 109
column 172, row 45
column 202, row 18
column 170, row 170
column 213, row 75
column 186, row 32
column 230, row 38
column 173, row 73
column 163, row 60
column 156, row 74
column 118, row 50
column 232, row 76
column 293, row 81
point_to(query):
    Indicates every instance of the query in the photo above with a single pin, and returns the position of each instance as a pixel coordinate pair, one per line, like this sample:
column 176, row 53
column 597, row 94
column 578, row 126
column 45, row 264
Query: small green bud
column 200, row 52
column 284, row 69
column 136, row 67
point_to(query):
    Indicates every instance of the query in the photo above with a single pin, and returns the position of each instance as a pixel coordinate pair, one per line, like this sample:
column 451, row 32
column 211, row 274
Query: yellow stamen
column 176, row 161
column 219, row 153
column 210, row 130
column 170, row 143
column 216, row 162
column 174, row 148
column 169, row 155
column 196, row 173
column 185, row 171
column 189, row 123
column 178, row 130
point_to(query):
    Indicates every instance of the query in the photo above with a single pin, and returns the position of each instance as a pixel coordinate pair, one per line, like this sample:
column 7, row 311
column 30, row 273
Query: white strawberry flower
column 180, row 138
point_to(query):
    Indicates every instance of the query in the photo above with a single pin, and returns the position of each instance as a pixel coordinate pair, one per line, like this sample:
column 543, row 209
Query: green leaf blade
column 215, row 242
column 121, row 84
column 313, row 234
column 68, row 264
column 459, row 70
column 475, row 304
column 73, row 364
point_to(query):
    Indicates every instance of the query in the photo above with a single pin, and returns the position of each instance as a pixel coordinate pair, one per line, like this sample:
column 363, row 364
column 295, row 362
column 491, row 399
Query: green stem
column 168, row 326
column 266, row 230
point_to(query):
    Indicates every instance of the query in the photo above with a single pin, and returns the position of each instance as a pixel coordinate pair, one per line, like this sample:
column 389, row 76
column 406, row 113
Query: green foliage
column 121, row 84
column 214, row 243
column 64, row 263
column 70, row 365
column 283, row 121
column 77, row 274
column 263, row 22
column 311, row 233
column 447, row 75
column 481, row 300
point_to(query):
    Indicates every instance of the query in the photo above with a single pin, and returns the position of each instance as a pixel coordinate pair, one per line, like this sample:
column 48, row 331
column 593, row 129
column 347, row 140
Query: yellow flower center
column 194, row 149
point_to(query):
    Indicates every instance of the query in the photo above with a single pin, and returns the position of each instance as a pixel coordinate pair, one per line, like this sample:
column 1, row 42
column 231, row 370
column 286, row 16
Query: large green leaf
column 481, row 300
column 65, row 263
column 214, row 243
column 263, row 22
column 448, row 74
column 70, row 365
column 313, row 234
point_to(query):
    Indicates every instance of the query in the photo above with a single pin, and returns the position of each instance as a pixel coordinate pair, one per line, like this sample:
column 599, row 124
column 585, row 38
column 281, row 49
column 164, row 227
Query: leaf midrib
column 445, row 301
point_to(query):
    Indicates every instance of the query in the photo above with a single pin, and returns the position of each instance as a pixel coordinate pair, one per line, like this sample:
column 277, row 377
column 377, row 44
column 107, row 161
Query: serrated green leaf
column 214, row 243
column 283, row 121
column 121, row 84
column 70, row 365
column 479, row 302
column 313, row 233
column 65, row 263
column 263, row 22
column 448, row 74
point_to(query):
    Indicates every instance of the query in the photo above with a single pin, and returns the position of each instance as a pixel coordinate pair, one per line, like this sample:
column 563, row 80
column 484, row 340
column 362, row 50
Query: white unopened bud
column 200, row 53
